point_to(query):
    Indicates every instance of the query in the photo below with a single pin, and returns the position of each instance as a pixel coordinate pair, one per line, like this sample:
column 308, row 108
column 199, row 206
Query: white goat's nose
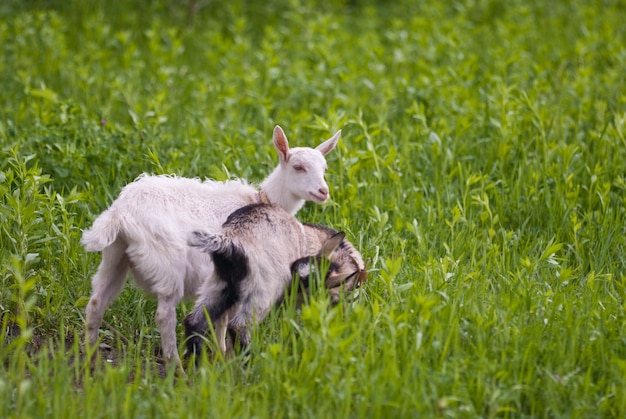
column 323, row 191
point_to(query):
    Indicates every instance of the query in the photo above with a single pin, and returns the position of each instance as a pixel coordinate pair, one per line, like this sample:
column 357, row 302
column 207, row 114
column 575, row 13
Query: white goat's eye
column 299, row 168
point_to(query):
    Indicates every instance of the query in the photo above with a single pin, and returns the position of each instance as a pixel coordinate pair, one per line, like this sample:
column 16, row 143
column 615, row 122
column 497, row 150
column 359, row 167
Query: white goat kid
column 254, row 258
column 145, row 230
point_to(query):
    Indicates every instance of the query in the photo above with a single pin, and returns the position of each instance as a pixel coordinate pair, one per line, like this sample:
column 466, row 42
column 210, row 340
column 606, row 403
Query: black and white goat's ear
column 281, row 144
column 328, row 145
column 332, row 243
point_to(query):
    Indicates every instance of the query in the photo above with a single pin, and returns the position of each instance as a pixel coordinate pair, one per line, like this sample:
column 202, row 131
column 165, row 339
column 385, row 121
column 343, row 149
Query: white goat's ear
column 327, row 146
column 331, row 244
column 281, row 144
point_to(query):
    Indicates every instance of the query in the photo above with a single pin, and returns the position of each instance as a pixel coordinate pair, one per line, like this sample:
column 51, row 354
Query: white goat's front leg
column 106, row 285
column 166, row 321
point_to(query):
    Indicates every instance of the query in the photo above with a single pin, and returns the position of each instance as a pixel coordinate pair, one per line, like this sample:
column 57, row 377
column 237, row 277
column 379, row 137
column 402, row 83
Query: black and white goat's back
column 253, row 257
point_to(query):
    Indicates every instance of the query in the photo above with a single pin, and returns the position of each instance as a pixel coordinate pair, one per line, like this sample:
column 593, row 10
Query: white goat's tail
column 102, row 233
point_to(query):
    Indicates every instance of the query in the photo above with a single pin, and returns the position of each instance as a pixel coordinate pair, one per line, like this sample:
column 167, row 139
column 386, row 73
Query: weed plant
column 481, row 168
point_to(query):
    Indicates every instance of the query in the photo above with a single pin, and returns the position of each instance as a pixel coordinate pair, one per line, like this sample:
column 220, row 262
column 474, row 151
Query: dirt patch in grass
column 106, row 356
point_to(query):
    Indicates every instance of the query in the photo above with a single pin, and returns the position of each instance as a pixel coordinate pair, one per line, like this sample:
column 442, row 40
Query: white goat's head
column 304, row 167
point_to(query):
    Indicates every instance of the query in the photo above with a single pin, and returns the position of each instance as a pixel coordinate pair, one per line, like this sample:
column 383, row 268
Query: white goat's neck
column 277, row 192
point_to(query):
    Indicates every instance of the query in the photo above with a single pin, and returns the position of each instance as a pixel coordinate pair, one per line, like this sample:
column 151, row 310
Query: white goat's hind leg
column 166, row 321
column 106, row 285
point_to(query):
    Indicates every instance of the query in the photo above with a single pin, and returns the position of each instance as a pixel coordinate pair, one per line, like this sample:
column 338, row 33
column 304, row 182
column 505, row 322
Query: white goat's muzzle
column 319, row 197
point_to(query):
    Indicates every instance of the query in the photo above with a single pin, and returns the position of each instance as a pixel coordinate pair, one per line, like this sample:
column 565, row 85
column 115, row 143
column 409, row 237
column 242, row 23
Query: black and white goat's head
column 345, row 269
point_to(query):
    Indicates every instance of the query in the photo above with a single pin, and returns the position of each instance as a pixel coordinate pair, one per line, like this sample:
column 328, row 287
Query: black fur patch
column 249, row 215
column 231, row 269
column 194, row 333
column 239, row 213
column 334, row 267
column 316, row 263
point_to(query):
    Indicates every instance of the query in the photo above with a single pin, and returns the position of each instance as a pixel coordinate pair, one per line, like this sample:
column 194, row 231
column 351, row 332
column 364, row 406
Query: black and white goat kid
column 253, row 258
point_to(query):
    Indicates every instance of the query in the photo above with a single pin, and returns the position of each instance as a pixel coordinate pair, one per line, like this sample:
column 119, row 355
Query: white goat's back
column 153, row 216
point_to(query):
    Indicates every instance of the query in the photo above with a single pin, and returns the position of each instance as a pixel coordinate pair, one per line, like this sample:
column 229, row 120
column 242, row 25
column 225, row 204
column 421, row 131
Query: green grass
column 482, row 168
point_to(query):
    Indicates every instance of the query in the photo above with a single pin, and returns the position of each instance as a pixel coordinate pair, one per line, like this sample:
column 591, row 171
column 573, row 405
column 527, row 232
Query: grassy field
column 482, row 168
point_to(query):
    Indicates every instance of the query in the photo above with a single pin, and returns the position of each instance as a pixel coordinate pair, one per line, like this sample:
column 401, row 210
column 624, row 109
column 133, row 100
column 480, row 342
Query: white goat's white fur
column 145, row 230
column 253, row 257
